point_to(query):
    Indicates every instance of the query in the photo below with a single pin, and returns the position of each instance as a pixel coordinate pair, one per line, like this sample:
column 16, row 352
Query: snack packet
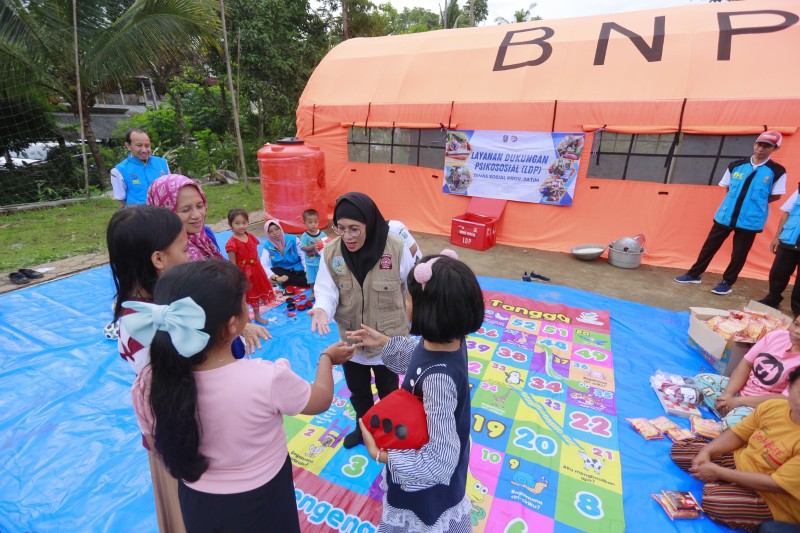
column 679, row 434
column 707, row 427
column 645, row 428
column 682, row 394
column 663, row 424
column 681, row 500
column 671, row 511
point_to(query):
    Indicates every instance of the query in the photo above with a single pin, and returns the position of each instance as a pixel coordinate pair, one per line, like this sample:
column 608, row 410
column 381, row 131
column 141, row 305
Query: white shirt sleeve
column 399, row 229
column 266, row 262
column 118, row 185
column 325, row 290
column 726, row 179
column 788, row 205
column 406, row 264
column 779, row 187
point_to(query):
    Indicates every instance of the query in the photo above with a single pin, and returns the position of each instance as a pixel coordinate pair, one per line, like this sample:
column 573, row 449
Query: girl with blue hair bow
column 216, row 421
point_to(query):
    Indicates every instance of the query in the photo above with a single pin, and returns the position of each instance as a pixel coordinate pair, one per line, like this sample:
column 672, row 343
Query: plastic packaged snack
column 707, row 427
column 663, row 424
column 681, row 389
column 661, row 379
column 679, row 434
column 678, row 504
column 645, row 428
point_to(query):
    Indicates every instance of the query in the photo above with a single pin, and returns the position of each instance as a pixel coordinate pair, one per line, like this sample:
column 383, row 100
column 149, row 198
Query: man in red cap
column 752, row 184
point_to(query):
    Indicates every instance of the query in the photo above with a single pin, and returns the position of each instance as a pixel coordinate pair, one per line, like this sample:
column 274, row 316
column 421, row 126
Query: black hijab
column 358, row 206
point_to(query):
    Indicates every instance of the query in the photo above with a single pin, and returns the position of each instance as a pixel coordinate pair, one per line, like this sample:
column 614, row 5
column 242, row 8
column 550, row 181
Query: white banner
column 523, row 166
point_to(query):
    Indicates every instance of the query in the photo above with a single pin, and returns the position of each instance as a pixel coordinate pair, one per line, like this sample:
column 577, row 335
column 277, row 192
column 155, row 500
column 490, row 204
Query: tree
column 281, row 42
column 521, row 15
column 480, row 11
column 114, row 44
column 414, row 20
column 450, row 13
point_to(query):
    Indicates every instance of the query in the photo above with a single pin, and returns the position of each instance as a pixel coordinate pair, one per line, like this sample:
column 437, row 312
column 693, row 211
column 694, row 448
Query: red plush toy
column 322, row 242
column 398, row 421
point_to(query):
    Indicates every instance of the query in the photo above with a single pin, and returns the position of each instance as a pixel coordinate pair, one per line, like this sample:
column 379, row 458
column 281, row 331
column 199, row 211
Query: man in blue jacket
column 131, row 178
column 752, row 184
column 786, row 248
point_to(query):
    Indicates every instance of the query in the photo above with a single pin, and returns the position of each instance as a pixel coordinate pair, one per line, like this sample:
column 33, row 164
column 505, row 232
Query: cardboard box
column 721, row 353
column 477, row 228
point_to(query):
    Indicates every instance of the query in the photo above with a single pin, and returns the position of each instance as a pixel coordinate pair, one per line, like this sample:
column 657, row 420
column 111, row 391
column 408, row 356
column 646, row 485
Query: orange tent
column 713, row 69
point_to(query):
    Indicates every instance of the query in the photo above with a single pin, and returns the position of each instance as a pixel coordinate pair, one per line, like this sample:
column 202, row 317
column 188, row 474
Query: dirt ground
column 646, row 284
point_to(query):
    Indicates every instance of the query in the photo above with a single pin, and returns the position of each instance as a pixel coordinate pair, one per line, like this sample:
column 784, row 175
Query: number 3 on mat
column 589, row 505
column 355, row 467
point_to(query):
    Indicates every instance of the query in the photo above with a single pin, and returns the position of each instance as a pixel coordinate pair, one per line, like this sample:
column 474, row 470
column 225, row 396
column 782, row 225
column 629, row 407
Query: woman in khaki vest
column 361, row 280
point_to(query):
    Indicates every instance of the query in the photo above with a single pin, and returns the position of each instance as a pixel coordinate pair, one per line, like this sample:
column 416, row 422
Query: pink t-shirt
column 772, row 363
column 240, row 407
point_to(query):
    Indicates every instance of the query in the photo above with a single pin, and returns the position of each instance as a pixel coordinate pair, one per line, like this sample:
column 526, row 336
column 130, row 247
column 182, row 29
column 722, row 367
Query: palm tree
column 449, row 14
column 521, row 15
column 115, row 44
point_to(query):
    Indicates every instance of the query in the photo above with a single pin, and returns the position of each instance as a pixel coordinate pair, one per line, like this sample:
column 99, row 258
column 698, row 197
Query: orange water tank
column 292, row 180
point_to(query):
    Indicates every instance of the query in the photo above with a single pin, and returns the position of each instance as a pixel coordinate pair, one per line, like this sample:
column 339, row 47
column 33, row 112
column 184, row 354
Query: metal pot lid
column 627, row 244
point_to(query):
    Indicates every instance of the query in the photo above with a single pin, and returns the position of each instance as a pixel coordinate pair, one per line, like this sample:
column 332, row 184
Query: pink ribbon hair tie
column 424, row 271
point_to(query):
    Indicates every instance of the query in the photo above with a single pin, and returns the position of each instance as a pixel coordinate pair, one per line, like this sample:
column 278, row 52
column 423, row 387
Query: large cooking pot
column 626, row 252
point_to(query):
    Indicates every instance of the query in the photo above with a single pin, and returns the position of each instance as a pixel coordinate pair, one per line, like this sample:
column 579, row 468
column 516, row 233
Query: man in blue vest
column 131, row 178
column 752, row 184
column 786, row 248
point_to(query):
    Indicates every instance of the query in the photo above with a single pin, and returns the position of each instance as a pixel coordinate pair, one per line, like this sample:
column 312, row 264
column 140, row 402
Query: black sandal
column 30, row 273
column 18, row 278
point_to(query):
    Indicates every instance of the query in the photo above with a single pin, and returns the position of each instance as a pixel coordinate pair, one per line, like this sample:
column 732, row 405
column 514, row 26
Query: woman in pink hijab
column 185, row 197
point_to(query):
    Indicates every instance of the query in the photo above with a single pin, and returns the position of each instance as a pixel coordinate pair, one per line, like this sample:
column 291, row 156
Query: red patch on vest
column 386, row 262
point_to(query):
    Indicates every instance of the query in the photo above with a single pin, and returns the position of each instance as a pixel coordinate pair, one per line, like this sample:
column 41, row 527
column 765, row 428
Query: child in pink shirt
column 762, row 374
column 217, row 421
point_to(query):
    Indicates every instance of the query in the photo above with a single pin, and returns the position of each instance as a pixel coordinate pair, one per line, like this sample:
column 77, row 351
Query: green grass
column 30, row 238
column 223, row 198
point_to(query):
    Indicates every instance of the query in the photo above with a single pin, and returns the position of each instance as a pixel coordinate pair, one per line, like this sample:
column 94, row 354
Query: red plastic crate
column 474, row 231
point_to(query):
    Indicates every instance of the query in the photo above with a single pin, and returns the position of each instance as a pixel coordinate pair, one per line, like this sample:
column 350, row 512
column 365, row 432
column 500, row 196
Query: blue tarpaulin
column 70, row 452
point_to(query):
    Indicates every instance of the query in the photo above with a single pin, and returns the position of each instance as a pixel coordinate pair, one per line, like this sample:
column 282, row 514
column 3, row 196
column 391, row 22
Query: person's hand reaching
column 319, row 321
column 252, row 337
column 367, row 336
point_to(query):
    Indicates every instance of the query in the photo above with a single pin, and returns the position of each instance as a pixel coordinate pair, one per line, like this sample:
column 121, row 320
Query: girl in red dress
column 242, row 250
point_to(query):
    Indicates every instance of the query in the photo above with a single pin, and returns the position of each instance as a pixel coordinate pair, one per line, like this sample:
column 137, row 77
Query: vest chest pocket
column 345, row 286
column 387, row 291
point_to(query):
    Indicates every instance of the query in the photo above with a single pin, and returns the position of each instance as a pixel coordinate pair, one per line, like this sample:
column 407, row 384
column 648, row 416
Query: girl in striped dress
column 425, row 489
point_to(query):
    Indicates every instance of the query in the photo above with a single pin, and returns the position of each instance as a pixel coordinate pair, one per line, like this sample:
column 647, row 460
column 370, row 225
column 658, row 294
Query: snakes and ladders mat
column 545, row 454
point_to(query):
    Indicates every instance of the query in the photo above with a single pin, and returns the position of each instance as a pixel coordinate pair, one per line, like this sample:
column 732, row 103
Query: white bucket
column 622, row 259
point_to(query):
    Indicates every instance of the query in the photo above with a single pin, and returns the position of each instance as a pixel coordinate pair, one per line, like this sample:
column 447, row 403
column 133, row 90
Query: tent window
column 696, row 160
column 399, row 146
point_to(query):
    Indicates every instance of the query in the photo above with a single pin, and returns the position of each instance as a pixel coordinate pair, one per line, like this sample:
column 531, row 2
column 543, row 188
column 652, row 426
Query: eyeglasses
column 354, row 231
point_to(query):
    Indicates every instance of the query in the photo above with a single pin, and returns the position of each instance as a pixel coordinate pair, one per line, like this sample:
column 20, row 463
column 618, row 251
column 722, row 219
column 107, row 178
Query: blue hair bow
column 182, row 319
